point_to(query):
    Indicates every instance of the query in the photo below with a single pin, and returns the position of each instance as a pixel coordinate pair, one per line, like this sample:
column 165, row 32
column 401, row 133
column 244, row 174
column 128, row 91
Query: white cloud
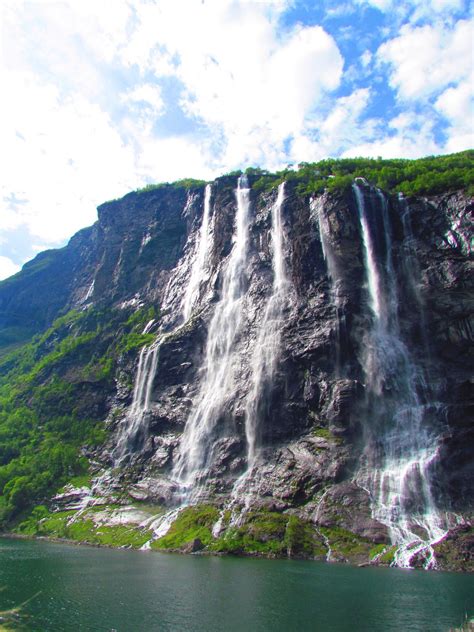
column 338, row 10
column 432, row 72
column 340, row 129
column 456, row 105
column 381, row 5
column 407, row 135
column 366, row 59
column 173, row 158
column 426, row 9
column 7, row 267
column 81, row 98
column 146, row 93
column 416, row 10
column 428, row 58
column 242, row 79
column 61, row 156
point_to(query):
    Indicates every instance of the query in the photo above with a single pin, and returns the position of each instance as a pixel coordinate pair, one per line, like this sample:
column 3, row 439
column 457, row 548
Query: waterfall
column 90, row 292
column 264, row 362
column 133, row 428
column 400, row 446
column 267, row 347
column 373, row 279
column 197, row 270
column 411, row 267
column 333, row 270
column 217, row 383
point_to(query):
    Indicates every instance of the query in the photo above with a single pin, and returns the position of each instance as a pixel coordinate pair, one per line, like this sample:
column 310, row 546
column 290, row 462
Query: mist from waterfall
column 400, row 446
column 217, row 382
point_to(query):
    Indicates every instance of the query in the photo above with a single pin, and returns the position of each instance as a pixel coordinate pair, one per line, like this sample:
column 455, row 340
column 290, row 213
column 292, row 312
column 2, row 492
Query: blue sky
column 101, row 97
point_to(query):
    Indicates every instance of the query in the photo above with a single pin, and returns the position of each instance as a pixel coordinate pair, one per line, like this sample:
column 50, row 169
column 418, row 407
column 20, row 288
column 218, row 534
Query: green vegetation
column 61, row 525
column 271, row 533
column 434, row 174
column 184, row 183
column 422, row 176
column 81, row 481
column 377, row 550
column 300, row 539
column 262, row 532
column 52, row 400
column 192, row 523
column 454, row 553
column 325, row 433
column 389, row 555
column 346, row 544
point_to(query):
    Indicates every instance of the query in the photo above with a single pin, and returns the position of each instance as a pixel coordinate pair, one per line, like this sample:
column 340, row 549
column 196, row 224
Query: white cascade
column 263, row 365
column 133, row 427
column 90, row 292
column 324, row 233
column 133, row 423
column 199, row 262
column 334, row 275
column 400, row 447
column 267, row 348
column 217, row 383
column 411, row 266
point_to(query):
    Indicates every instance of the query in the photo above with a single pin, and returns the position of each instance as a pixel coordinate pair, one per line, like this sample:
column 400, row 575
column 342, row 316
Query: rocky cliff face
column 311, row 361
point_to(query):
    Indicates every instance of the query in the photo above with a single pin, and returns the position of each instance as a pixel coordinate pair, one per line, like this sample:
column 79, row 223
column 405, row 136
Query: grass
column 271, row 533
column 81, row 481
column 388, row 557
column 377, row 550
column 347, row 544
column 262, row 533
column 192, row 523
column 325, row 433
column 61, row 525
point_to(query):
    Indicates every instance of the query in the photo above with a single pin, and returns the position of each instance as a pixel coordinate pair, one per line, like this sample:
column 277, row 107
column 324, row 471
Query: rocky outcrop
column 314, row 413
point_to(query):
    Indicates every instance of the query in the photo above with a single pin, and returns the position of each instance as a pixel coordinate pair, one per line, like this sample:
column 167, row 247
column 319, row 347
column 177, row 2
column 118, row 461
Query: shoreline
column 207, row 553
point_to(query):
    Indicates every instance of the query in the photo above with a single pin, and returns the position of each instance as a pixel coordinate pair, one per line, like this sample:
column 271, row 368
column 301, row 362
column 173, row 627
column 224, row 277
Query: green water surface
column 128, row 591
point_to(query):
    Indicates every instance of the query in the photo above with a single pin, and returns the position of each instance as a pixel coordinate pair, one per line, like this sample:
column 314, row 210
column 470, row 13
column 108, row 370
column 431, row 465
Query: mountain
column 272, row 364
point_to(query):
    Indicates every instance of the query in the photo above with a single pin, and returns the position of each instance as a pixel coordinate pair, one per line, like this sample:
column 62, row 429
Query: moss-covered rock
column 271, row 533
column 81, row 527
column 456, row 551
column 191, row 524
column 347, row 546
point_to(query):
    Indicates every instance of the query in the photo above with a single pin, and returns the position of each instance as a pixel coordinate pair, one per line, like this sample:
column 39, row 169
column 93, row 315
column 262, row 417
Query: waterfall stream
column 267, row 348
column 263, row 365
column 134, row 426
column 401, row 443
column 334, row 275
column 217, row 382
column 400, row 446
column 199, row 261
column 131, row 429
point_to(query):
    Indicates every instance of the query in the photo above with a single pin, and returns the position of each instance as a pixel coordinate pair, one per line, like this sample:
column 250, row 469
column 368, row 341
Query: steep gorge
column 303, row 384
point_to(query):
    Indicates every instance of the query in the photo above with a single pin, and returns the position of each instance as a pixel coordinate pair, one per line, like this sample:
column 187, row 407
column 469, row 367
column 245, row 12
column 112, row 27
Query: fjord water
column 99, row 589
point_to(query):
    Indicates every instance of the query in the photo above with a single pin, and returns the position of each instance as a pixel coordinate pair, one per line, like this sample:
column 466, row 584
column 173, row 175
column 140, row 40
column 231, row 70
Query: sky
column 100, row 97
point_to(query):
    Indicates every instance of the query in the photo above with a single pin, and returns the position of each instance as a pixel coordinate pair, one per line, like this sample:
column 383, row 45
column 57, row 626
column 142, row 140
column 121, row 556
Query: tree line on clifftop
column 421, row 176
